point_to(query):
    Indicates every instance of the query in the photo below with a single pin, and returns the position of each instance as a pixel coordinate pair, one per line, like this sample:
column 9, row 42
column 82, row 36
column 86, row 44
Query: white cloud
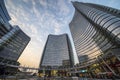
column 33, row 2
column 57, row 27
column 37, row 13
column 33, row 29
column 64, row 9
column 43, row 2
column 26, row 1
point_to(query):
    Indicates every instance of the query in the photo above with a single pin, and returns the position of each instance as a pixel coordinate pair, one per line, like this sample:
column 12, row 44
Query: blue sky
column 39, row 18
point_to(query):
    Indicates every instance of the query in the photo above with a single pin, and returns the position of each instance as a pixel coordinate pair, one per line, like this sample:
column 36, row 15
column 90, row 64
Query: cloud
column 33, row 2
column 36, row 12
column 64, row 9
column 57, row 28
column 26, row 1
column 43, row 2
column 33, row 29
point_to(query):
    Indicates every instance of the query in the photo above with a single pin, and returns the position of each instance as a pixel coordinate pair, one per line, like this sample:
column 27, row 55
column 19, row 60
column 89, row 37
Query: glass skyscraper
column 96, row 34
column 12, row 40
column 57, row 54
column 57, row 51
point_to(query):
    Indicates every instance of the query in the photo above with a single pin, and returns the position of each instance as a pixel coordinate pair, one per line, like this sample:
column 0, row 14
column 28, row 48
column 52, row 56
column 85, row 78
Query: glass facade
column 96, row 33
column 57, row 54
column 12, row 39
column 57, row 50
column 3, row 12
column 12, row 42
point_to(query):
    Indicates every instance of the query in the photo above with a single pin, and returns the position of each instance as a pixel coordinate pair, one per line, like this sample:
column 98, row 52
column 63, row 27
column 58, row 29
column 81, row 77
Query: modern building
column 57, row 50
column 12, row 40
column 95, row 31
column 83, row 58
column 57, row 53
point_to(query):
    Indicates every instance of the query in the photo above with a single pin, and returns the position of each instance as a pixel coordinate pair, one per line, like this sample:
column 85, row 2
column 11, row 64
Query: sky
column 39, row 18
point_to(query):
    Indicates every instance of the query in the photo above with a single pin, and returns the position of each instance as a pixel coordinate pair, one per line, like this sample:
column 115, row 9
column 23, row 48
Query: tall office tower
column 96, row 33
column 12, row 40
column 57, row 51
